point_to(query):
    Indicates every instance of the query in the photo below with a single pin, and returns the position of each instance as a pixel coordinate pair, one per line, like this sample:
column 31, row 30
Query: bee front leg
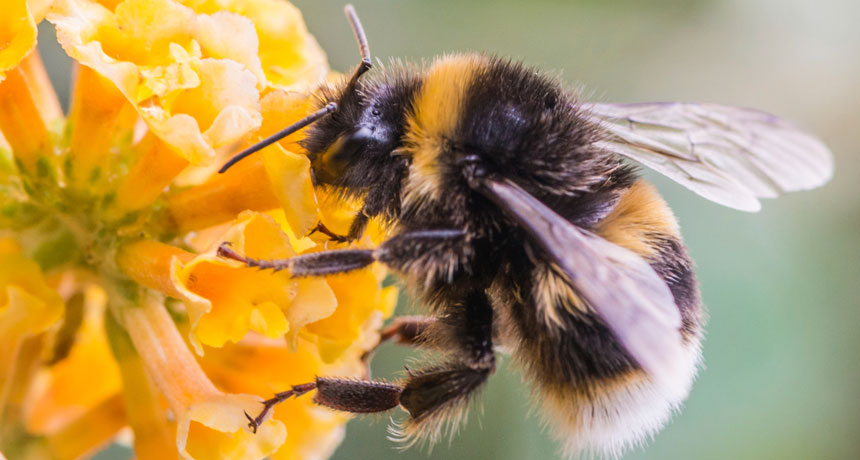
column 356, row 228
column 332, row 236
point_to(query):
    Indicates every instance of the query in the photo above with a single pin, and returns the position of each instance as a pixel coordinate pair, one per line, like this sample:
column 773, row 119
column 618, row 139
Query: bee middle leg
column 409, row 249
column 404, row 330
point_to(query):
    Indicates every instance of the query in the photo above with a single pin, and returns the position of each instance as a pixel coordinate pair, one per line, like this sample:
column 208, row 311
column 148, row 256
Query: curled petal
column 290, row 56
column 17, row 34
column 289, row 172
column 150, row 50
column 209, row 419
column 209, row 422
column 39, row 8
column 221, row 198
column 69, row 391
column 80, row 25
column 226, row 102
column 27, row 304
column 358, row 298
column 146, row 29
column 226, row 35
column 313, row 432
column 226, row 300
column 290, row 177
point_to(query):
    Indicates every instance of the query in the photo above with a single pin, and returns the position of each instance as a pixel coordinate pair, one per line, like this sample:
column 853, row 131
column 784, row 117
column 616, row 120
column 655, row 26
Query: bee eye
column 331, row 164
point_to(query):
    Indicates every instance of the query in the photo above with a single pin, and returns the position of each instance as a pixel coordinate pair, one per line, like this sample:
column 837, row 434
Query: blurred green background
column 782, row 376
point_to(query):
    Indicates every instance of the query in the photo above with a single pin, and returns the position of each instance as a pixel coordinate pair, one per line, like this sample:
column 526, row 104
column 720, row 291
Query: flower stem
column 167, row 358
column 145, row 413
column 22, row 124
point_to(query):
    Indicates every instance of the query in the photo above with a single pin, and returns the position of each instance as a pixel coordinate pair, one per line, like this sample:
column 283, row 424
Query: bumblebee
column 517, row 220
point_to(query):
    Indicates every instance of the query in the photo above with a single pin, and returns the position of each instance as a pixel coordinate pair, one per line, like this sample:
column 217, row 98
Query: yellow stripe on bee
column 436, row 113
column 553, row 291
column 639, row 219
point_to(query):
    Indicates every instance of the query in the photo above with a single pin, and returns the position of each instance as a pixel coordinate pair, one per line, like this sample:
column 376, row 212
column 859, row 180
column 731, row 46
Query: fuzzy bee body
column 515, row 219
column 468, row 110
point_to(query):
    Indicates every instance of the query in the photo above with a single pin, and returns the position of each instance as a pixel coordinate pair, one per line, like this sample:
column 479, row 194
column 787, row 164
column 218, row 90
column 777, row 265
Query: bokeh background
column 783, row 286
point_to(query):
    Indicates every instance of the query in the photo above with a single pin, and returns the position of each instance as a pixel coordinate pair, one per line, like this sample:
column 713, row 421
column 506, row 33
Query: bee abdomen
column 593, row 394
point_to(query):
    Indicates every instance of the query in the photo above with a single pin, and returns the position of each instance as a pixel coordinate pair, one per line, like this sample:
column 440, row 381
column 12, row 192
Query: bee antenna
column 365, row 65
column 363, row 48
column 329, row 108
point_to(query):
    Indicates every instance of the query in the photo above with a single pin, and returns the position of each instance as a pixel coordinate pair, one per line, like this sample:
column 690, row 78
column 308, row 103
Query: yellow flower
column 110, row 217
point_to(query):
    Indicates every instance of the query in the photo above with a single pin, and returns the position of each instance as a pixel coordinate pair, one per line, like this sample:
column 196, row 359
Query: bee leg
column 465, row 332
column 393, row 252
column 427, row 394
column 332, row 236
column 314, row 264
column 349, row 395
column 296, row 390
column 359, row 224
column 436, row 391
column 404, row 330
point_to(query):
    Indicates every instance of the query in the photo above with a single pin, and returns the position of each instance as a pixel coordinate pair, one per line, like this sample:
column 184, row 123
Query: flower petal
column 225, row 301
column 209, row 423
column 17, row 34
column 96, row 119
column 290, row 56
column 23, row 117
column 358, row 297
column 227, row 35
column 150, row 50
column 27, row 304
column 217, row 429
column 289, row 172
column 312, row 432
column 69, row 389
column 222, row 197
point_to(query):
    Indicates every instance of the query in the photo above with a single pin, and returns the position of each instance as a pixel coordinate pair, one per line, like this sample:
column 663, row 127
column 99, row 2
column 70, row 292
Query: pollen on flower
column 110, row 218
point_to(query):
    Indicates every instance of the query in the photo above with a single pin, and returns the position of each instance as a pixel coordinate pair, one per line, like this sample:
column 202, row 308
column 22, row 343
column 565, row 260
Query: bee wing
column 729, row 155
column 633, row 301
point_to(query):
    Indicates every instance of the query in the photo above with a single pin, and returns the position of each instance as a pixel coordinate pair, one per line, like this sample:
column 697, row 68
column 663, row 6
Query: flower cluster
column 116, row 315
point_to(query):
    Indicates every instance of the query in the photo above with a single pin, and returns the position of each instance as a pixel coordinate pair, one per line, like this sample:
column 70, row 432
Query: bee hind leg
column 349, row 395
column 440, row 391
column 437, row 397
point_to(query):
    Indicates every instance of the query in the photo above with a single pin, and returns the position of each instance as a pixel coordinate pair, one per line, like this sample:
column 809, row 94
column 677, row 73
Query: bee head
column 350, row 147
column 353, row 137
